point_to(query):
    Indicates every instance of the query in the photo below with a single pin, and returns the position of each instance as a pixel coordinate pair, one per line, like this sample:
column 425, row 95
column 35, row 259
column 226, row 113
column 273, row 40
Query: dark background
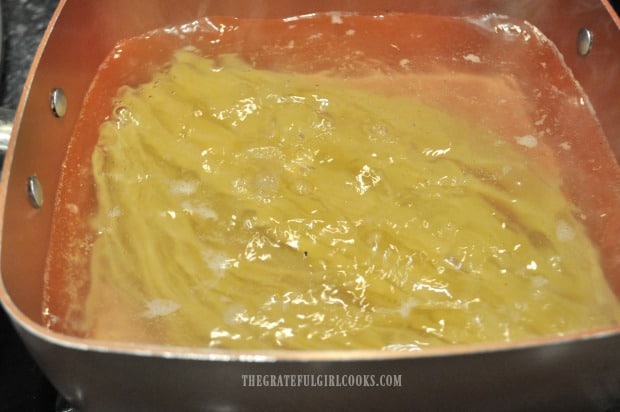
column 22, row 385
column 23, row 388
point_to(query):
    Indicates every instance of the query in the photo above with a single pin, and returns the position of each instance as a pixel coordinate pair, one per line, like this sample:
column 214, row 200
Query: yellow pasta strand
column 245, row 208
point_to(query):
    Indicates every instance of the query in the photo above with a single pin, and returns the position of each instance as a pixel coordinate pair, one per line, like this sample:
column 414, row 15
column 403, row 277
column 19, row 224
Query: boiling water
column 333, row 181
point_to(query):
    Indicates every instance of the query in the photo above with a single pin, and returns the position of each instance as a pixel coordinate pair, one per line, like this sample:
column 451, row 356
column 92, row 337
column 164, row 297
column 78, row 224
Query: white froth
column 528, row 141
column 539, row 281
column 160, row 307
column 564, row 231
column 405, row 308
column 336, row 18
column 200, row 211
column 234, row 314
column 216, row 261
column 183, row 187
column 541, row 121
column 73, row 208
column 114, row 212
column 472, row 58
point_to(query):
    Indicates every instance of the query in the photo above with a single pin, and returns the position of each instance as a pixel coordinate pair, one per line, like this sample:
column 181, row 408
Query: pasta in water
column 240, row 207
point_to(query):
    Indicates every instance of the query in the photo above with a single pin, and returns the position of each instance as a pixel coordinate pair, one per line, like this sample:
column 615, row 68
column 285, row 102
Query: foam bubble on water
column 234, row 314
column 528, row 141
column 350, row 32
column 541, row 121
column 114, row 212
column 564, row 231
column 539, row 281
column 216, row 261
column 566, row 145
column 160, row 307
column 405, row 308
column 73, row 208
column 266, row 185
column 200, row 211
column 183, row 187
column 404, row 63
column 336, row 18
column 472, row 58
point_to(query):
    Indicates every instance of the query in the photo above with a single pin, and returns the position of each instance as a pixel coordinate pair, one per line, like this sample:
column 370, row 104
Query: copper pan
column 576, row 372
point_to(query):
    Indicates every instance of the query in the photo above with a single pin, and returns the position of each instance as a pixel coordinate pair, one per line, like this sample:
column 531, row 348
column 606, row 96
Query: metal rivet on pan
column 58, row 102
column 35, row 192
column 584, row 41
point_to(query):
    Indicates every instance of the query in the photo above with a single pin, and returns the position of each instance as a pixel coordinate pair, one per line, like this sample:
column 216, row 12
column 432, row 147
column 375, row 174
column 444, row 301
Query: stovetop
column 23, row 387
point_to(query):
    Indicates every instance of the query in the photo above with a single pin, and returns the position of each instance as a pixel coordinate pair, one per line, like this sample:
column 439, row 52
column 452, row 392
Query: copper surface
column 80, row 35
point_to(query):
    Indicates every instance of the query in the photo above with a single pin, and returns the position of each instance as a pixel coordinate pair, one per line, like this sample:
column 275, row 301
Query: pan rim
column 24, row 324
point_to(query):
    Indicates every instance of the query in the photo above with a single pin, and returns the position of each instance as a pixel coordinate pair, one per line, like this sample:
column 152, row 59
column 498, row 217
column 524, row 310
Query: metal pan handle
column 6, row 125
column 6, row 115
